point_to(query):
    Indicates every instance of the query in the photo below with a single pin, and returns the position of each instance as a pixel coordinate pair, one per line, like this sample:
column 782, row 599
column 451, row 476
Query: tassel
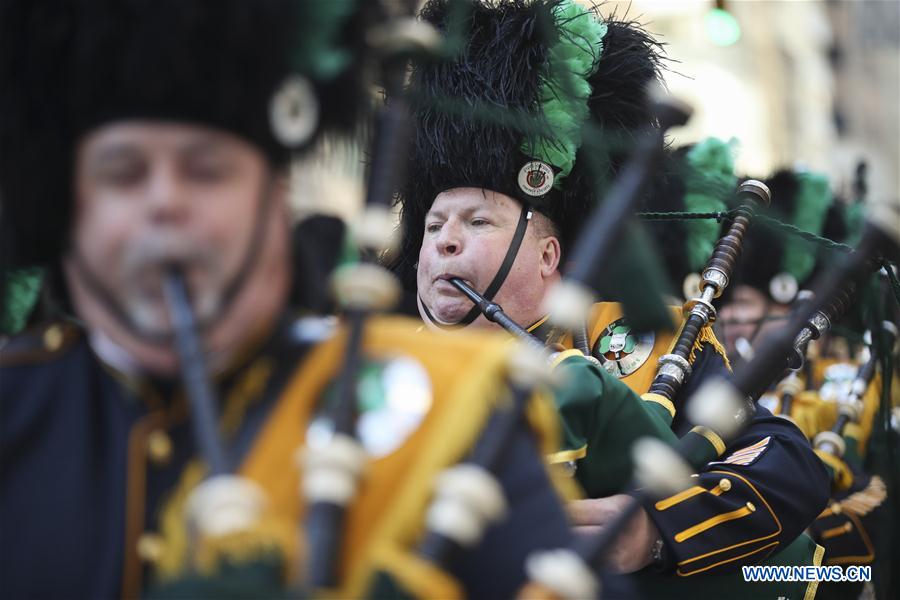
column 707, row 336
column 865, row 501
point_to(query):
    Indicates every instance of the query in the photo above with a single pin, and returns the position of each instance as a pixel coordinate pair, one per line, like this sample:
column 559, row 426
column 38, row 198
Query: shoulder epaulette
column 38, row 344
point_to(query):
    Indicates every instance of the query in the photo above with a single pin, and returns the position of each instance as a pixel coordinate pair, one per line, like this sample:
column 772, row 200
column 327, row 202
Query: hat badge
column 535, row 178
column 783, row 288
column 621, row 350
column 294, row 111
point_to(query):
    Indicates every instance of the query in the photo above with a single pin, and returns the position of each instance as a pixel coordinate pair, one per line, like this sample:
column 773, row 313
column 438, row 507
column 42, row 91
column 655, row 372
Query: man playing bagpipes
column 176, row 432
column 497, row 205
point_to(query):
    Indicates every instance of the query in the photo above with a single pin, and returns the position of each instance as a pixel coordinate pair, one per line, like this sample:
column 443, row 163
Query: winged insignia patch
column 745, row 456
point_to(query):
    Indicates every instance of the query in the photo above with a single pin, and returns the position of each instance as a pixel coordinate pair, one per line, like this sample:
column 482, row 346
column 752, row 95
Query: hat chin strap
column 495, row 285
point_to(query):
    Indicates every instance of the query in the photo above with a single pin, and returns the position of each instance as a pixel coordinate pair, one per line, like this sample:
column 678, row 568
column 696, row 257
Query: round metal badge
column 620, row 351
column 535, row 178
column 783, row 288
column 294, row 111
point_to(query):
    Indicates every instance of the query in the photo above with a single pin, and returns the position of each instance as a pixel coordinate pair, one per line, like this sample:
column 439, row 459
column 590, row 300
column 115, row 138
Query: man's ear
column 550, row 255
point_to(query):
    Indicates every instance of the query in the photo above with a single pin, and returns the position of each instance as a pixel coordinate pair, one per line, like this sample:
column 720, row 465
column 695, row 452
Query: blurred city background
column 798, row 83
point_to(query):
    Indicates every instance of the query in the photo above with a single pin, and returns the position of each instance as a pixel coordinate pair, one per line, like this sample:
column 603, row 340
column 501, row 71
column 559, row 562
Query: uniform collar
column 545, row 331
column 123, row 368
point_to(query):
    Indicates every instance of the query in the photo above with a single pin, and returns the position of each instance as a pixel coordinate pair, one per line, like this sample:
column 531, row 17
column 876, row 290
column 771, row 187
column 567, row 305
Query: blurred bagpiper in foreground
column 495, row 202
column 179, row 434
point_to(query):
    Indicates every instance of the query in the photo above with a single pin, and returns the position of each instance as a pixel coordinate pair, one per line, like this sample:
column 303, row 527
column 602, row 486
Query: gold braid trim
column 706, row 336
column 541, row 414
column 678, row 498
column 566, row 455
column 712, row 437
column 814, row 585
column 711, row 522
column 661, row 400
column 246, row 392
column 174, row 553
column 561, row 356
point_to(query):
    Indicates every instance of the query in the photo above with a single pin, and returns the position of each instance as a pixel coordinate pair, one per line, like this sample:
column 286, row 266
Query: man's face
column 467, row 233
column 740, row 318
column 151, row 194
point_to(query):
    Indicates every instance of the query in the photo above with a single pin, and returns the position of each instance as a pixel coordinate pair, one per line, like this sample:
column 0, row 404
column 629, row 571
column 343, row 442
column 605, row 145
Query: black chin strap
column 494, row 287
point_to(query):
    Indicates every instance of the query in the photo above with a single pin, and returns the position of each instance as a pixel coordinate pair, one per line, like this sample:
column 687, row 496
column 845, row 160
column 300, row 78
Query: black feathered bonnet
column 68, row 67
column 778, row 264
column 476, row 115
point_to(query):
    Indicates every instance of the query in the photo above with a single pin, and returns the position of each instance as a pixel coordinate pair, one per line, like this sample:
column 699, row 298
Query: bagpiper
column 175, row 433
column 496, row 201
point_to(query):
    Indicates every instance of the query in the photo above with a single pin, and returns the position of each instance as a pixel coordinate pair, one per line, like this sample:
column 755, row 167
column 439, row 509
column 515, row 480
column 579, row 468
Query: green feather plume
column 813, row 199
column 23, row 286
column 855, row 219
column 565, row 90
column 318, row 53
column 709, row 180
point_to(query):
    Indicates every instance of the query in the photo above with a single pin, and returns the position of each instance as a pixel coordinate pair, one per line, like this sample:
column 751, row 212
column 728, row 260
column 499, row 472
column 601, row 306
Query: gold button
column 150, row 547
column 159, row 447
column 568, row 468
column 53, row 338
column 836, row 508
column 724, row 485
column 750, row 507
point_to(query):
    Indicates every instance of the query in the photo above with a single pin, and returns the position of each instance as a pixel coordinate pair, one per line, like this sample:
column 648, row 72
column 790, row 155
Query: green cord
column 764, row 220
column 810, row 237
column 685, row 216
column 777, row 226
